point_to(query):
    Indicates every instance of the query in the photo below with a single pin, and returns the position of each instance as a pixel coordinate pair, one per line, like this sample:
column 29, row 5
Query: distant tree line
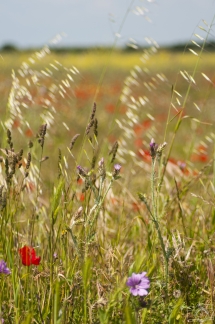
column 181, row 47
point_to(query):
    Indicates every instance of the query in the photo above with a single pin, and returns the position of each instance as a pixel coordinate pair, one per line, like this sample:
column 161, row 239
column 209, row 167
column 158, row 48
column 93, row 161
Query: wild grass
column 84, row 184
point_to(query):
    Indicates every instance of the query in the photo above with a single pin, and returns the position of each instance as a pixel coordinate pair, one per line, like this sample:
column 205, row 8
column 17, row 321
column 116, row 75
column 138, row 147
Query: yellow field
column 90, row 60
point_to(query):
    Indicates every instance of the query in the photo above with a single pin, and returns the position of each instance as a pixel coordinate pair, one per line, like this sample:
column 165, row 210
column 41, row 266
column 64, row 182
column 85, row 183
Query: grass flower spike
column 3, row 267
column 138, row 283
column 28, row 256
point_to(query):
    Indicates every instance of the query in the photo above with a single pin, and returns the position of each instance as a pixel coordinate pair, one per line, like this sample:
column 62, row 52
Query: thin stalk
column 184, row 104
column 104, row 70
column 100, row 202
column 154, row 215
column 153, row 189
column 96, row 209
column 111, row 51
column 85, row 306
column 168, row 116
column 51, row 267
column 37, row 195
column 214, row 167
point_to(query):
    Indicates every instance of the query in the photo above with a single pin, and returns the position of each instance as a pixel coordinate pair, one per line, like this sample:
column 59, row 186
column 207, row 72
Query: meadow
column 107, row 170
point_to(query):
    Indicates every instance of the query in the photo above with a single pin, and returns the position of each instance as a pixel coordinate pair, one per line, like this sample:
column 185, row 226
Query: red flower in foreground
column 28, row 256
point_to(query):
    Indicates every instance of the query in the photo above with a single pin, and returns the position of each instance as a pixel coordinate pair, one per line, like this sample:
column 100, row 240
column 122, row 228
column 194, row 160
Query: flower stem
column 154, row 215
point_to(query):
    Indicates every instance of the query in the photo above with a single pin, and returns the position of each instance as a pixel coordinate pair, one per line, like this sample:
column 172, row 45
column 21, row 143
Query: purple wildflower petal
column 152, row 143
column 101, row 162
column 138, row 283
column 134, row 291
column 3, row 267
column 144, row 285
column 117, row 167
column 142, row 292
column 134, row 279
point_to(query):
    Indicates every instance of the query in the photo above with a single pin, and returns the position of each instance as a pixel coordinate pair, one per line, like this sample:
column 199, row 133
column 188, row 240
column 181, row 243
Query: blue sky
column 28, row 23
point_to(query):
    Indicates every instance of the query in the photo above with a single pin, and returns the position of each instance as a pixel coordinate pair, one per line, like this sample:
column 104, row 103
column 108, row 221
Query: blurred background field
column 117, row 66
column 63, row 86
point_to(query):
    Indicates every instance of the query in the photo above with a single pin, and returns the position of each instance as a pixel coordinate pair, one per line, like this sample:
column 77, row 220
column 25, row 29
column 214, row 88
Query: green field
column 91, row 224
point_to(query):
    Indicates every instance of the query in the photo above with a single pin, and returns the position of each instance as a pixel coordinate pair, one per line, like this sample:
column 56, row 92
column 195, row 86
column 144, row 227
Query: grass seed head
column 113, row 151
column 28, row 161
column 93, row 112
column 95, row 130
column 73, row 141
column 102, row 171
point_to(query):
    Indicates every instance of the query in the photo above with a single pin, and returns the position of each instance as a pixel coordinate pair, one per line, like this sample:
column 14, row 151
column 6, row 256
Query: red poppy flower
column 28, row 256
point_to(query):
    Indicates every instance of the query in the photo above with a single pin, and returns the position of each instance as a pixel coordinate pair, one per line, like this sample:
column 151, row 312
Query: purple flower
column 81, row 171
column 3, row 267
column 101, row 163
column 117, row 167
column 138, row 284
column 182, row 165
column 79, row 168
column 152, row 143
column 153, row 148
column 116, row 171
column 55, row 255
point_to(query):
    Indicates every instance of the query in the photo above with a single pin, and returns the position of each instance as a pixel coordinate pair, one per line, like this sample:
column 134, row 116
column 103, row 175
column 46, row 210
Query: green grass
column 93, row 228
